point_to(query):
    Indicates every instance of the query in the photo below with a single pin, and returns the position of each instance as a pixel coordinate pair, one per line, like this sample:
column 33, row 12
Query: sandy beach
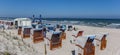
column 29, row 48
column 59, row 27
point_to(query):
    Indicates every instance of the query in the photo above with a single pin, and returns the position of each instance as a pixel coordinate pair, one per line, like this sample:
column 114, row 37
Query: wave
column 114, row 25
column 106, row 24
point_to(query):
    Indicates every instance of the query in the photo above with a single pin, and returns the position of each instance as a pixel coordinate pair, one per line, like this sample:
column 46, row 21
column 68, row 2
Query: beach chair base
column 103, row 44
column 89, row 49
column 55, row 46
column 37, row 40
column 26, row 36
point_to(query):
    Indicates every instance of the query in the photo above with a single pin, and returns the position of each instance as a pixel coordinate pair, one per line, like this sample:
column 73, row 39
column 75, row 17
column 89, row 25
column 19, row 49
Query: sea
column 95, row 22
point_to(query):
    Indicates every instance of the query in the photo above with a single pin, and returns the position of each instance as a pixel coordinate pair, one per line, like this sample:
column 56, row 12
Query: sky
column 60, row 8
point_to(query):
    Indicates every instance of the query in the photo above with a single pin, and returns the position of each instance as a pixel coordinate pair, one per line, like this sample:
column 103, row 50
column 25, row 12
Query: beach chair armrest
column 97, row 39
column 47, row 38
column 74, row 36
column 79, row 46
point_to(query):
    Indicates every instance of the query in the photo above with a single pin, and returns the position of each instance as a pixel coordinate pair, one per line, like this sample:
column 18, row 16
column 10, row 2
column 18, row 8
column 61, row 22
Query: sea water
column 107, row 23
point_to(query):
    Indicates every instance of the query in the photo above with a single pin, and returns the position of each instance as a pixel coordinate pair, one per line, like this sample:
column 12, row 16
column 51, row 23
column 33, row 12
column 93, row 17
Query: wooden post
column 45, row 49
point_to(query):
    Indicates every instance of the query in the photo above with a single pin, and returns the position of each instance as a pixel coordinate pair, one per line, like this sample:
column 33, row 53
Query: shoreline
column 95, row 27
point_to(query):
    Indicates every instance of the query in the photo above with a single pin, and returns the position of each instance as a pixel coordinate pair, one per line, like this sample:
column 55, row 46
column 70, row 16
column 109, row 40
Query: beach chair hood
column 100, row 36
column 81, row 41
column 49, row 34
column 32, row 31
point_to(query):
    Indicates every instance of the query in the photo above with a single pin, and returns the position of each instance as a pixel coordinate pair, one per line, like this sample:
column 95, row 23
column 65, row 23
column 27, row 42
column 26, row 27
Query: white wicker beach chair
column 54, row 40
column 85, row 45
column 26, row 32
column 37, row 35
column 101, row 40
column 77, row 33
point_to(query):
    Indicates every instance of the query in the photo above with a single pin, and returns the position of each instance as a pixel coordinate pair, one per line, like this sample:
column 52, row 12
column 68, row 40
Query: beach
column 113, row 46
column 59, row 27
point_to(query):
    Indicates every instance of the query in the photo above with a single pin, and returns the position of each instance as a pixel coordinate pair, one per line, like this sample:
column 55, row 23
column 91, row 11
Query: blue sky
column 60, row 8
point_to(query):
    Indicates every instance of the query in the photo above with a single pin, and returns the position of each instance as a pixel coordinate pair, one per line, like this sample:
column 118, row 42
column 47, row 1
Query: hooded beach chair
column 63, row 28
column 77, row 33
column 86, row 45
column 70, row 27
column 37, row 35
column 102, row 39
column 34, row 25
column 51, row 28
column 57, row 25
column 19, row 30
column 55, row 40
column 63, row 34
column 39, row 26
column 26, row 32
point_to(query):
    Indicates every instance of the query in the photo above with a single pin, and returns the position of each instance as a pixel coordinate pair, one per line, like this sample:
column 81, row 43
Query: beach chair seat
column 19, row 30
column 26, row 32
column 103, row 41
column 37, row 35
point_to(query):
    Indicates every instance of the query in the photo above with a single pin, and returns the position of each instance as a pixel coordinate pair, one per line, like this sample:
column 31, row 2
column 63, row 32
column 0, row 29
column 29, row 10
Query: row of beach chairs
column 54, row 39
column 85, row 45
column 39, row 35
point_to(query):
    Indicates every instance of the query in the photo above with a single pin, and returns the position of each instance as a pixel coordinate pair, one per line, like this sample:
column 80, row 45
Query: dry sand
column 113, row 46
